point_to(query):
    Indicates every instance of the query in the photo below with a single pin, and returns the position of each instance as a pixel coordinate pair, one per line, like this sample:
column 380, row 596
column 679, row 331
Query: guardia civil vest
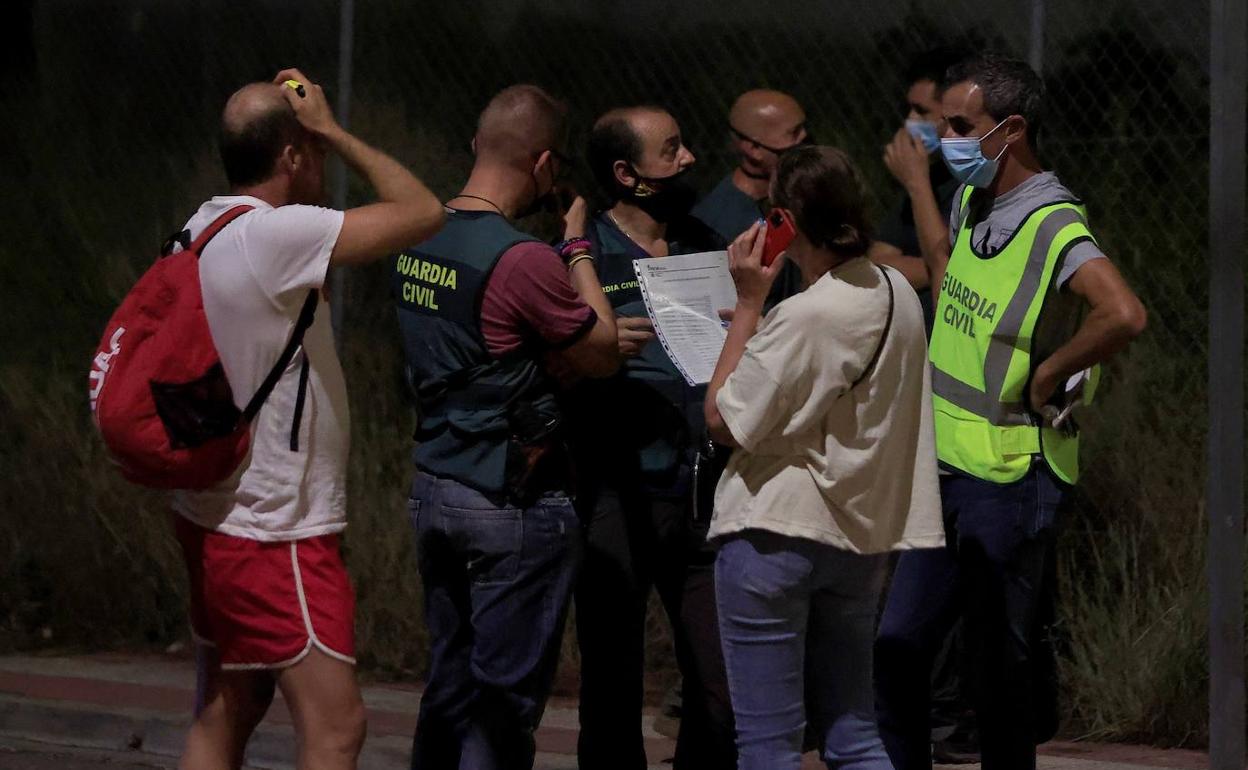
column 983, row 343
column 471, row 405
column 639, row 428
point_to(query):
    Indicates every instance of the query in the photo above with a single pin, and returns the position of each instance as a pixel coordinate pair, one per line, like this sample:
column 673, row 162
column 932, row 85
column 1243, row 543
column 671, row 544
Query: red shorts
column 265, row 605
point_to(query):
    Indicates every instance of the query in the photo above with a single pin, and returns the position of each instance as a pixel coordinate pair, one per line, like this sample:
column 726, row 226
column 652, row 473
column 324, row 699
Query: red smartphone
column 780, row 233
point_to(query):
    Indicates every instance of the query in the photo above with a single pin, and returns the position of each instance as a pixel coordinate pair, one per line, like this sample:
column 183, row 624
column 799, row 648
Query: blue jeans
column 497, row 582
column 797, row 619
column 992, row 574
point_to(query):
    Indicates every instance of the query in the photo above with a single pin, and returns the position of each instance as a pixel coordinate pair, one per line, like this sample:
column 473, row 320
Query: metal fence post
column 1035, row 37
column 346, row 42
column 1228, row 67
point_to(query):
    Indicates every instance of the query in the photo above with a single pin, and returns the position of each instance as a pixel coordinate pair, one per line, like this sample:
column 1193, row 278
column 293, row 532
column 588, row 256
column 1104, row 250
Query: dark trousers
column 635, row 542
column 950, row 690
column 498, row 580
column 991, row 574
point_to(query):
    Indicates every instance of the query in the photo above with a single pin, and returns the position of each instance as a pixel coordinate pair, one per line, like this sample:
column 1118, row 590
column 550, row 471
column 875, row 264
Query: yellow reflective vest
column 982, row 344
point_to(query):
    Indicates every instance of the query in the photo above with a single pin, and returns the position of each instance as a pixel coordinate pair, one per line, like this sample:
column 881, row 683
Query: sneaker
column 667, row 723
column 960, row 748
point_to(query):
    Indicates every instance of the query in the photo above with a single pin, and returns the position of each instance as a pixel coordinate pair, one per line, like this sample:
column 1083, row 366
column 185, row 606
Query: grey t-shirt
column 1003, row 216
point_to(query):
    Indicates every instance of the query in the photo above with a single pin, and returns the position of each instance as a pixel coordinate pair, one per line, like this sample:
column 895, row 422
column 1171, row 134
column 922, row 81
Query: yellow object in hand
column 297, row 87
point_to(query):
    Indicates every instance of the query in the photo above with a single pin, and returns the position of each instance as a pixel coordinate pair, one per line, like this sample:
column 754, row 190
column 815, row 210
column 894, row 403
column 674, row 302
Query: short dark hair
column 827, row 196
column 613, row 138
column 521, row 122
column 1010, row 87
column 249, row 152
column 932, row 65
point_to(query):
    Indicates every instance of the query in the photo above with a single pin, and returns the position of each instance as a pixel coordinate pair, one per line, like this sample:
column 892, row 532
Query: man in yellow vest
column 1009, row 355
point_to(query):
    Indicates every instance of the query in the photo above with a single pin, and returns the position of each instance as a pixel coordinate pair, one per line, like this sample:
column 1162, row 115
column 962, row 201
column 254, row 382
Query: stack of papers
column 684, row 294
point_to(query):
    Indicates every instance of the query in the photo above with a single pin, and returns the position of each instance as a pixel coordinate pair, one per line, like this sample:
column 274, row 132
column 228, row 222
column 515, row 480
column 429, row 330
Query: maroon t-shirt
column 529, row 300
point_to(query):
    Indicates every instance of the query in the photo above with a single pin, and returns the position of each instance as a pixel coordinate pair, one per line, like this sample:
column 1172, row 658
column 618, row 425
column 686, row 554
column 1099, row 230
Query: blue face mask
column 965, row 158
column 925, row 132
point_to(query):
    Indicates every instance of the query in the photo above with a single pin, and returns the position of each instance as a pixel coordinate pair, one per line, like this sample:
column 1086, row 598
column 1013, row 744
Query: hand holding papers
column 684, row 295
column 634, row 334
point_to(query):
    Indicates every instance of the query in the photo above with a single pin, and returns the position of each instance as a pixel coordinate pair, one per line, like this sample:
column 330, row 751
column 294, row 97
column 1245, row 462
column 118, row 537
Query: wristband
column 584, row 255
column 569, row 248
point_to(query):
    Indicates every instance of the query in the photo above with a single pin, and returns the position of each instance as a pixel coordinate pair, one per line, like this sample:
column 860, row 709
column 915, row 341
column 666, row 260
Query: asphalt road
column 17, row 754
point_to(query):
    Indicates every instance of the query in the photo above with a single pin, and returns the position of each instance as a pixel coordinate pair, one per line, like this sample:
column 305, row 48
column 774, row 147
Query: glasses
column 773, row 150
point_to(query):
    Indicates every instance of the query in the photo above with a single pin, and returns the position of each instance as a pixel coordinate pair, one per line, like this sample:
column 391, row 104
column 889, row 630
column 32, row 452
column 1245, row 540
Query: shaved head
column 518, row 124
column 763, row 113
column 765, row 123
column 257, row 124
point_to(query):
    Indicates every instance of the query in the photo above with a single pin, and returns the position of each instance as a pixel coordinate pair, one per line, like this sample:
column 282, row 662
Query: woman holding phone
column 828, row 401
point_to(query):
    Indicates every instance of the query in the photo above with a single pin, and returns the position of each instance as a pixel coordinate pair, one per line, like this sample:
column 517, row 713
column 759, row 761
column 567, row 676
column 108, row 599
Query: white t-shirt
column 851, row 467
column 256, row 275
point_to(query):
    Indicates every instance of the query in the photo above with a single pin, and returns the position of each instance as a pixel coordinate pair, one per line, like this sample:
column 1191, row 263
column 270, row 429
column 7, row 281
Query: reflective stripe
column 1005, row 336
column 976, row 401
column 987, row 403
column 964, row 212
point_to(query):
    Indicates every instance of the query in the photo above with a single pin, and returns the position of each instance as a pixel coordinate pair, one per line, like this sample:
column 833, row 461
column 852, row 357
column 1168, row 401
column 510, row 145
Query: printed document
column 684, row 294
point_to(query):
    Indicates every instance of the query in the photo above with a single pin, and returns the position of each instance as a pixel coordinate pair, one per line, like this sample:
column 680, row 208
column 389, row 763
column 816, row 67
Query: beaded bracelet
column 571, row 246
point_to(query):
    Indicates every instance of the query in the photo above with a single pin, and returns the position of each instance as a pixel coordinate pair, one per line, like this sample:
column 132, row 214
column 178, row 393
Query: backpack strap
column 299, row 402
column 182, row 238
column 306, row 316
column 217, row 226
column 296, row 340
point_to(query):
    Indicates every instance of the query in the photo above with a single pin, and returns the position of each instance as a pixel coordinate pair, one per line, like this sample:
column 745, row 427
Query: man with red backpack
column 271, row 603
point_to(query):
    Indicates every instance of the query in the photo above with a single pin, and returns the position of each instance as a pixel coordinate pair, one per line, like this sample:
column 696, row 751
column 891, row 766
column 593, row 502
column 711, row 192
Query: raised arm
column 753, row 281
column 912, row 267
column 407, row 211
column 908, row 161
column 597, row 354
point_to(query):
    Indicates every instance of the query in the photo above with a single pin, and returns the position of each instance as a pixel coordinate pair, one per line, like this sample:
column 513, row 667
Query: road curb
column 73, row 724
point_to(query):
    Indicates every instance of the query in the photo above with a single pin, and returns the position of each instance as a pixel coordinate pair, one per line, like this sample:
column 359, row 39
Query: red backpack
column 157, row 387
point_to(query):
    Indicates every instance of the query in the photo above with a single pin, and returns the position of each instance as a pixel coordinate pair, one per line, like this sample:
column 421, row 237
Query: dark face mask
column 664, row 198
column 547, row 202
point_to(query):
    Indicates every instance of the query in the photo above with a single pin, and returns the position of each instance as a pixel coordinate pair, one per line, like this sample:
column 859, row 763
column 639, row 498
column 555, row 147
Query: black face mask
column 547, row 202
column 544, row 204
column 664, row 198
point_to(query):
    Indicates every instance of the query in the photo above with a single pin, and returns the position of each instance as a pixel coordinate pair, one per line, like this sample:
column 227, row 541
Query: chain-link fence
column 109, row 114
